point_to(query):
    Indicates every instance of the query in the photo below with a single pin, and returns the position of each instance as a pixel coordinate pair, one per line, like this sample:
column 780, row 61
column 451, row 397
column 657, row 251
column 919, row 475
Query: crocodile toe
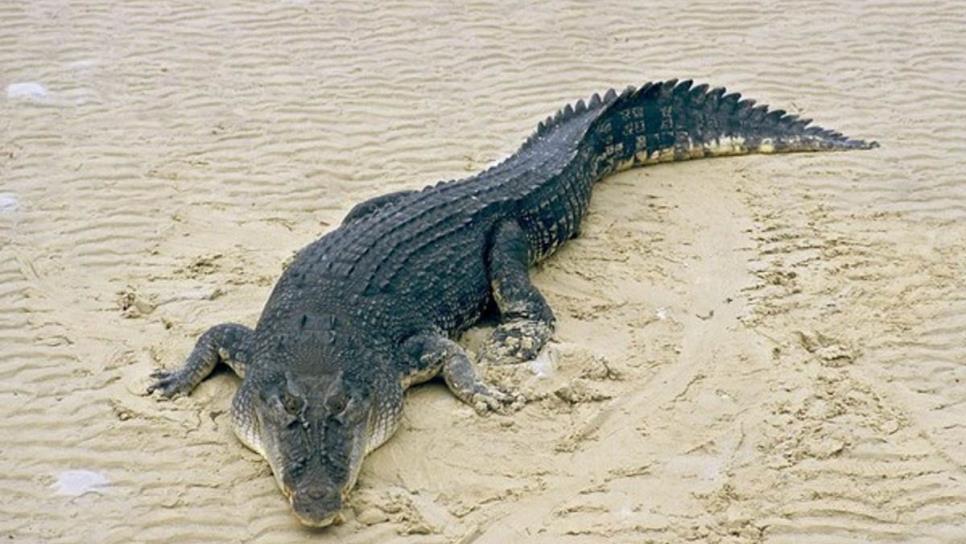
column 170, row 384
column 515, row 342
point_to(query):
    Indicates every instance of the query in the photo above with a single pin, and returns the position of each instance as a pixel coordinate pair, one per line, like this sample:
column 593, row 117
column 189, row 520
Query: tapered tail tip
column 862, row 144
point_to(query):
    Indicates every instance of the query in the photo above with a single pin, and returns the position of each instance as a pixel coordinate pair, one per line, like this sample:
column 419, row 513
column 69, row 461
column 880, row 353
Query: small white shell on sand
column 28, row 90
column 543, row 365
column 78, row 482
column 9, row 203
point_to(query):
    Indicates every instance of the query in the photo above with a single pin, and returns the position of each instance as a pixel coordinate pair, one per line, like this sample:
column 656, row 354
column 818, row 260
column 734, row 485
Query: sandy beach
column 757, row 349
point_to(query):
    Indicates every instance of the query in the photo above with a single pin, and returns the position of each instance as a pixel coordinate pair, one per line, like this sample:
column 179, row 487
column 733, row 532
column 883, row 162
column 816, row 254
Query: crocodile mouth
column 313, row 512
column 333, row 519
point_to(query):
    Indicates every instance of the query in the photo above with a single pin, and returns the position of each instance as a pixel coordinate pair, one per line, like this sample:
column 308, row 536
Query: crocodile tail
column 673, row 121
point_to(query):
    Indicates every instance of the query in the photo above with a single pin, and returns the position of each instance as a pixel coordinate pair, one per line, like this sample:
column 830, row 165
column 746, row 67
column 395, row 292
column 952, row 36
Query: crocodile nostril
column 316, row 494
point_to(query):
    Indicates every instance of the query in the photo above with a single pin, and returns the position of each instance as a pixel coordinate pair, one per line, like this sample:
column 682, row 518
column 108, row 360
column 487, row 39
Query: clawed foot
column 515, row 342
column 489, row 399
column 170, row 384
column 461, row 375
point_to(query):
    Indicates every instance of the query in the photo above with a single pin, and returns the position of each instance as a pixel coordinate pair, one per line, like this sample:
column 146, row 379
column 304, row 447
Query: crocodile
column 377, row 304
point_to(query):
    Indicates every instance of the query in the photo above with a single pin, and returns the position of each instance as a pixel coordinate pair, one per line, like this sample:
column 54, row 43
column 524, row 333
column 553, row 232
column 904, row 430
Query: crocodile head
column 313, row 430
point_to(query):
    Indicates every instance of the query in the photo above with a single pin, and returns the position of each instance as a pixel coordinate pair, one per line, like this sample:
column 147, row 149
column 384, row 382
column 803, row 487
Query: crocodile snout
column 317, row 507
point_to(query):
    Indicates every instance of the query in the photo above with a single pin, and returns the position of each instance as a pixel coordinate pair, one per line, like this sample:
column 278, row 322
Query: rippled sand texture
column 761, row 349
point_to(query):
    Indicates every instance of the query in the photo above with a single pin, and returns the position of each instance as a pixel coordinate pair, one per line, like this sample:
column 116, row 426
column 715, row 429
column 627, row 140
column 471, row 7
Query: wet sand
column 759, row 349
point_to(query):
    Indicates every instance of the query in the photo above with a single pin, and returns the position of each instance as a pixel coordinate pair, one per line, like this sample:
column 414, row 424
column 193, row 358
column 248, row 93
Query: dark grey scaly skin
column 375, row 305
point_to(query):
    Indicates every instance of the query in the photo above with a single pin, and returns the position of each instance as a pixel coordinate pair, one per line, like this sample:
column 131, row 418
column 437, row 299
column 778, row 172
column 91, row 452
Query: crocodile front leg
column 229, row 343
column 527, row 320
column 434, row 353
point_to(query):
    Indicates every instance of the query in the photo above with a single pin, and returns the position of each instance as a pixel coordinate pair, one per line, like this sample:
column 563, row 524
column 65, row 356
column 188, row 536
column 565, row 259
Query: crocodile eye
column 291, row 403
column 337, row 403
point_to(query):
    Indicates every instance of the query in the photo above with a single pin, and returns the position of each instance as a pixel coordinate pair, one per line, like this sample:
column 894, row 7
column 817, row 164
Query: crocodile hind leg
column 229, row 343
column 526, row 319
column 433, row 353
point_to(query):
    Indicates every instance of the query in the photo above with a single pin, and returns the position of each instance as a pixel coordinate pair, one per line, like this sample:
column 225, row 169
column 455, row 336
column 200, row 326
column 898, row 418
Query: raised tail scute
column 672, row 120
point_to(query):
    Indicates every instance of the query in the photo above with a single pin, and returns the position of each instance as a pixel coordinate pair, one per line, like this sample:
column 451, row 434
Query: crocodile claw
column 490, row 399
column 515, row 342
column 170, row 384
